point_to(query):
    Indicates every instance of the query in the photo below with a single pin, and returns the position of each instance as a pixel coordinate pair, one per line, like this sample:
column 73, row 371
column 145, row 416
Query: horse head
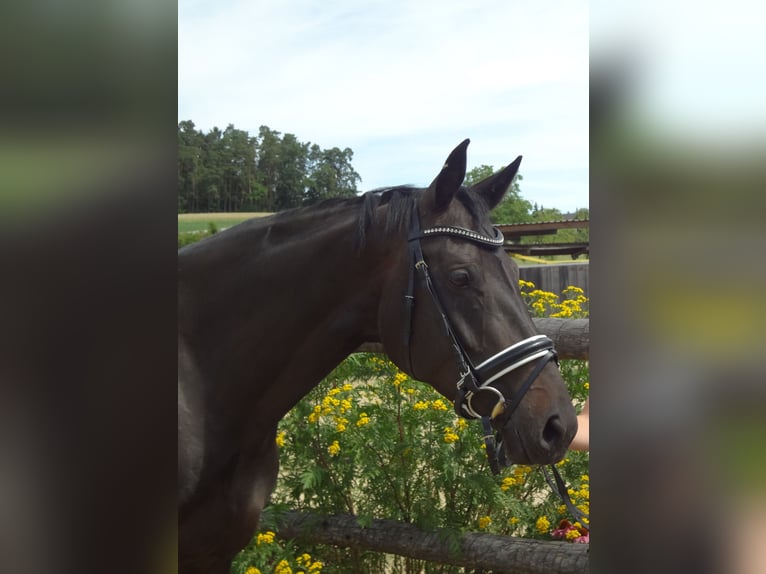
column 452, row 315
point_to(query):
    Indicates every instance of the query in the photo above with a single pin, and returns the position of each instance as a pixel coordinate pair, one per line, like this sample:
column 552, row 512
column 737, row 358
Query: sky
column 401, row 83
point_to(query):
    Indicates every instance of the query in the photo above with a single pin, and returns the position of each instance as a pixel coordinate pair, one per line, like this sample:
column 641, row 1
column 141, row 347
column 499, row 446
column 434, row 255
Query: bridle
column 473, row 379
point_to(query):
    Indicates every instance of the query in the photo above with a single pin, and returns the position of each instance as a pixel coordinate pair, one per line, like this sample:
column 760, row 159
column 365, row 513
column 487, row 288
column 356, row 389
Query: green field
column 194, row 222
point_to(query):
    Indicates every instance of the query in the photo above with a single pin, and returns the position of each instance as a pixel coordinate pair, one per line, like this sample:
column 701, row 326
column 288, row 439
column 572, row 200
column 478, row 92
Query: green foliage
column 577, row 235
column 231, row 170
column 264, row 554
column 185, row 239
column 513, row 208
column 478, row 173
column 370, row 441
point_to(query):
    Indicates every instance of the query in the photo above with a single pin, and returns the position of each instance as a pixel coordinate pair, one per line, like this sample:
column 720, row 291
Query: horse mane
column 401, row 200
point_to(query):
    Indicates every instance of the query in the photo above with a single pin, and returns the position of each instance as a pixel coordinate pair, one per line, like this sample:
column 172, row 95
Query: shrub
column 370, row 441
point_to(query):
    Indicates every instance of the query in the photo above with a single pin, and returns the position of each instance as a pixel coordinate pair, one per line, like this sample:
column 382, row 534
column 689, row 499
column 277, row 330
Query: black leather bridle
column 474, row 379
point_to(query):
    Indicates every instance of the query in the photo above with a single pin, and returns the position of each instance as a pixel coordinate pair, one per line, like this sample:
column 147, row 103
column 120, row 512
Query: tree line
column 515, row 209
column 231, row 170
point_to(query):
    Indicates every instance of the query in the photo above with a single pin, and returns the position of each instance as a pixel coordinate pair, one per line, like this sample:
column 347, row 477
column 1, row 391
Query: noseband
column 474, row 379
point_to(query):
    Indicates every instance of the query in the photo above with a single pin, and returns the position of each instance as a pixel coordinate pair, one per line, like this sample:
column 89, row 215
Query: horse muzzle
column 534, row 445
column 536, row 441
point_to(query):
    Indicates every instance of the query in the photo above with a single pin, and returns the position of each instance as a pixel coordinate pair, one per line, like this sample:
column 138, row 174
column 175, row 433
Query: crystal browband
column 463, row 233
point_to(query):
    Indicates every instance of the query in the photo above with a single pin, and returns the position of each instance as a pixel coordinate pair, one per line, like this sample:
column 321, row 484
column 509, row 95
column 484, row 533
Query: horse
column 269, row 307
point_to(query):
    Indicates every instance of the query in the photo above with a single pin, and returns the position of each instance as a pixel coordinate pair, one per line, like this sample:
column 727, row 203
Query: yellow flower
column 399, row 378
column 585, row 478
column 341, row 424
column 420, row 405
column 252, row 570
column 542, row 525
column 333, row 392
column 347, row 387
column 328, row 403
column 304, row 559
column 461, row 424
column 449, row 438
column 345, row 405
column 280, row 440
column 283, row 567
column 314, row 417
column 450, row 435
column 513, row 520
column 316, row 567
column 586, row 386
column 484, row 522
column 439, row 405
column 572, row 534
column 508, row 482
column 363, row 420
column 264, row 538
column 334, row 448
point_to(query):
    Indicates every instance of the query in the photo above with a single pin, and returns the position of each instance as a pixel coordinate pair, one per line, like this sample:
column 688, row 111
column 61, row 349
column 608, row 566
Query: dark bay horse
column 271, row 306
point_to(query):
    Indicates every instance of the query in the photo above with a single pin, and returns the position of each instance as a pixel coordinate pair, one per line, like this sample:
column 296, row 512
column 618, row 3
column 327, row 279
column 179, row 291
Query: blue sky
column 400, row 82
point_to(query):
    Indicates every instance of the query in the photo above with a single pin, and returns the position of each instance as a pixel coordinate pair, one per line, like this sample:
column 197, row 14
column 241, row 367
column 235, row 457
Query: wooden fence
column 556, row 277
column 571, row 337
column 475, row 551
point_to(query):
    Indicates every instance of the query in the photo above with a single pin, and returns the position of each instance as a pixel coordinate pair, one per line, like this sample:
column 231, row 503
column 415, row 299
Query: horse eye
column 460, row 277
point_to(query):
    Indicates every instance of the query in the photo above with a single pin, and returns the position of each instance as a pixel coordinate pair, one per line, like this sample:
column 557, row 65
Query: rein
column 474, row 379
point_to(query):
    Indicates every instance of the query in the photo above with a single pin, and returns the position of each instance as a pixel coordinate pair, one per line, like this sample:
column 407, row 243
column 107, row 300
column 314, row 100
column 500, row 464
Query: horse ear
column 495, row 186
column 450, row 178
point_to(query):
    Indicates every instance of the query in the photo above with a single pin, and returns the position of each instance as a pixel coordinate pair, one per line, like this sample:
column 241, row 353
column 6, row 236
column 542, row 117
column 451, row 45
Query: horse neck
column 279, row 303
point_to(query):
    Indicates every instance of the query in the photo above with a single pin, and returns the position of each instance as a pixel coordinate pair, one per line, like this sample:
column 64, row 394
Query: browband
column 462, row 233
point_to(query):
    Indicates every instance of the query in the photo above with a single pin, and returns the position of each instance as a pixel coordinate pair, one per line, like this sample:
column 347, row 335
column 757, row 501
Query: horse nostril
column 553, row 432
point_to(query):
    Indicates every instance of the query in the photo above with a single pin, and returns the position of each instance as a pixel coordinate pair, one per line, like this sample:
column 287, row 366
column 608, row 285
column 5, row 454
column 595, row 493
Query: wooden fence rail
column 571, row 337
column 475, row 550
